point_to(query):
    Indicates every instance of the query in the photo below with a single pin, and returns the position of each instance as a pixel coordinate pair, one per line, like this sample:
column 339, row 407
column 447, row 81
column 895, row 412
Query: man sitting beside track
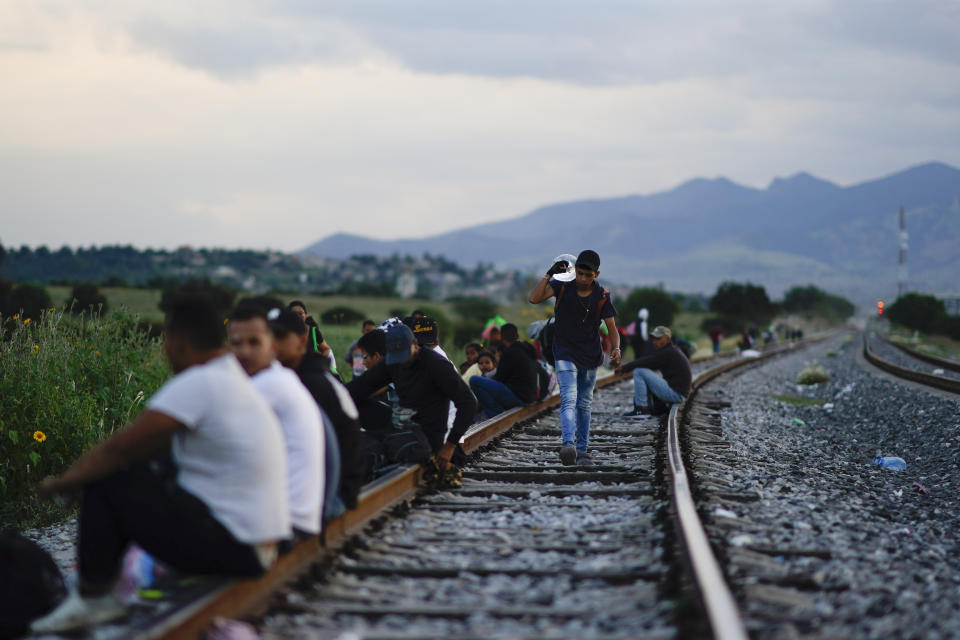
column 667, row 358
column 343, row 440
column 515, row 382
column 425, row 381
column 226, row 507
column 253, row 344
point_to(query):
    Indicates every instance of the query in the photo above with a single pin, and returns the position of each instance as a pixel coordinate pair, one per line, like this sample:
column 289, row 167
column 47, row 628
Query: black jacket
column 428, row 386
column 518, row 371
column 316, row 377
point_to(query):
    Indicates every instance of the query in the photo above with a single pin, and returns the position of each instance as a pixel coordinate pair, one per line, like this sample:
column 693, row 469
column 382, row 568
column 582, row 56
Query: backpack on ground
column 407, row 444
column 31, row 586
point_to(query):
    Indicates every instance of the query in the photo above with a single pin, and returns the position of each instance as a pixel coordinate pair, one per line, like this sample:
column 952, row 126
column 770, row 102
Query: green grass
column 797, row 401
column 66, row 383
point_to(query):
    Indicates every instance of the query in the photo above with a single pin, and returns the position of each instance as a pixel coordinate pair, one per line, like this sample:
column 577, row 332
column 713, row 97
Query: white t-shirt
column 231, row 454
column 300, row 419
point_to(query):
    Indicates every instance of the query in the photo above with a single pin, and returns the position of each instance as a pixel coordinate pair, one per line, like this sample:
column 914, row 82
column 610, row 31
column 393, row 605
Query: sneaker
column 637, row 413
column 78, row 612
column 568, row 455
column 584, row 459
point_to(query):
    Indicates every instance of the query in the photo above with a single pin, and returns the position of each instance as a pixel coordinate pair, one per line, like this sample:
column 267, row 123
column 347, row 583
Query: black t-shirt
column 518, row 371
column 321, row 384
column 577, row 336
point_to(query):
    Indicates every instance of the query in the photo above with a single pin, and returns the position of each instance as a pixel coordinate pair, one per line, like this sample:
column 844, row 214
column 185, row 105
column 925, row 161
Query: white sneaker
column 78, row 612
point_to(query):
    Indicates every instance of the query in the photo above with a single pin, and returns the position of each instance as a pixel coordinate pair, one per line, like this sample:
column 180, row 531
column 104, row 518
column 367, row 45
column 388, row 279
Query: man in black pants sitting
column 226, row 507
column 426, row 382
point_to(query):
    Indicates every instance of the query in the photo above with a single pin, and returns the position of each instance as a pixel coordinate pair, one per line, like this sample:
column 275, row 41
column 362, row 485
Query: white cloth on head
column 643, row 314
column 231, row 455
column 302, row 426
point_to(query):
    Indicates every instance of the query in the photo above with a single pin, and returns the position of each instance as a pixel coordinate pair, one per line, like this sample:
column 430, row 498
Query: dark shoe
column 637, row 413
column 568, row 455
column 584, row 459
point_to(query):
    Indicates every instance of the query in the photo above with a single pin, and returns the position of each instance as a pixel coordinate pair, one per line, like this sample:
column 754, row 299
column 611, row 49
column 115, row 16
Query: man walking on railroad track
column 580, row 307
column 224, row 509
column 648, row 387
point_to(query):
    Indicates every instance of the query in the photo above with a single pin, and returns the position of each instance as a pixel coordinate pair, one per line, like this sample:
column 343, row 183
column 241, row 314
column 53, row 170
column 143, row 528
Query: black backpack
column 543, row 381
column 407, row 444
column 30, row 583
column 546, row 338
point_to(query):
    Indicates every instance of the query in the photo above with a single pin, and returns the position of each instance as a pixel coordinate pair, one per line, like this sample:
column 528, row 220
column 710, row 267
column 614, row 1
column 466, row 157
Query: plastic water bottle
column 890, row 462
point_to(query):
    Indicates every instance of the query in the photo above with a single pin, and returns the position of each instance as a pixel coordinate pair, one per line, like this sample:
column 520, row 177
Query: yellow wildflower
column 53, row 308
column 98, row 353
column 36, row 348
column 16, row 316
column 39, row 436
column 225, row 320
column 27, row 321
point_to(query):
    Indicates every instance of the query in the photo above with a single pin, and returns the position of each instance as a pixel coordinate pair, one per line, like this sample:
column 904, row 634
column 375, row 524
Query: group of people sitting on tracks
column 255, row 442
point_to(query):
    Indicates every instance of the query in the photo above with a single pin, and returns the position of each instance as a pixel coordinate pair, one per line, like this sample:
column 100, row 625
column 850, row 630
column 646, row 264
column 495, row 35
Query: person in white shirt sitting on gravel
column 252, row 342
column 221, row 512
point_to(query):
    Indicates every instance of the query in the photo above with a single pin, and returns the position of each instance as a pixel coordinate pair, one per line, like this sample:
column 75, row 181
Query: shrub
column 341, row 315
column 66, row 385
column 23, row 300
column 812, row 375
column 661, row 305
column 474, row 308
column 467, row 331
column 86, row 298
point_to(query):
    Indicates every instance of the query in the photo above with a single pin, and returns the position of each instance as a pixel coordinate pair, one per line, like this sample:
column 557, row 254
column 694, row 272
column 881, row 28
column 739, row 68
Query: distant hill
column 798, row 230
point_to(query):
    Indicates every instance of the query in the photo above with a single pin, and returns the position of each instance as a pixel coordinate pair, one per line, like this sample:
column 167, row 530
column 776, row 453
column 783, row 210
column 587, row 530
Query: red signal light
column 879, row 307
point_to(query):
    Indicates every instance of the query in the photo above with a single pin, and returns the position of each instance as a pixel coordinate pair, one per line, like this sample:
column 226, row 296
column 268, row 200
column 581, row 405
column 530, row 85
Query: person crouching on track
column 424, row 381
column 667, row 358
column 226, row 508
column 579, row 308
column 515, row 383
column 253, row 344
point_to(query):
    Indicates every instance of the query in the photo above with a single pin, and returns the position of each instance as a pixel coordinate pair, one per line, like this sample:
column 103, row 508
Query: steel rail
column 944, row 363
column 716, row 599
column 927, row 379
column 237, row 598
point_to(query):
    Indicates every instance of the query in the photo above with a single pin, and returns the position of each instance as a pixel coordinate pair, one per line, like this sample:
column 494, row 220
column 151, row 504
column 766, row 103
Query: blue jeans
column 646, row 380
column 332, row 503
column 576, row 398
column 494, row 397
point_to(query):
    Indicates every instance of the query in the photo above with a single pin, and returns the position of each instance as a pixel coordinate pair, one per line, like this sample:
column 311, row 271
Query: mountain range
column 799, row 230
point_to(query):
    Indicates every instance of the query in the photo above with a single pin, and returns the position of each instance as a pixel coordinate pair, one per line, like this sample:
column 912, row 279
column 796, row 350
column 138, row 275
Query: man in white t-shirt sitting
column 226, row 507
column 252, row 342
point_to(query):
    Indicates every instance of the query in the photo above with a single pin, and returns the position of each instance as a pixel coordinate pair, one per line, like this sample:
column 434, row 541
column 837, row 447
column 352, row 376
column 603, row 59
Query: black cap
column 588, row 259
column 283, row 321
column 399, row 339
column 424, row 329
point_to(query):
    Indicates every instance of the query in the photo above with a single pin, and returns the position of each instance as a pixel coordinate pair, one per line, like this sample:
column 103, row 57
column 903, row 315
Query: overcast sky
column 273, row 124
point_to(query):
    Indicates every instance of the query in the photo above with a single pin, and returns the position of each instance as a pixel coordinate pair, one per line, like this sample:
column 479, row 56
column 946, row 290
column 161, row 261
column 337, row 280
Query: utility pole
column 902, row 276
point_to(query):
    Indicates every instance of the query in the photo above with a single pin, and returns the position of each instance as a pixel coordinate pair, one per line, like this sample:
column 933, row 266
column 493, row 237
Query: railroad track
column 943, row 382
column 526, row 547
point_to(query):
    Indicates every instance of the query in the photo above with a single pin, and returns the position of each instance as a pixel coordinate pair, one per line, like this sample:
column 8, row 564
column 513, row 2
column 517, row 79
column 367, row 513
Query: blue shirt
column 577, row 336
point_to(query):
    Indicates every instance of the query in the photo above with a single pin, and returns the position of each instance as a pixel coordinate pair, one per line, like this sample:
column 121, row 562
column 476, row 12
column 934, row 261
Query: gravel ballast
column 866, row 552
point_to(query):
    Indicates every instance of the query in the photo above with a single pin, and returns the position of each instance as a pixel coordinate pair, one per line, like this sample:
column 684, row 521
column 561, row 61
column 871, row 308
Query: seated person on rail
column 345, row 474
column 471, row 351
column 352, row 357
column 515, row 383
column 221, row 511
column 252, row 342
column 425, row 382
column 666, row 358
column 376, row 411
column 315, row 341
